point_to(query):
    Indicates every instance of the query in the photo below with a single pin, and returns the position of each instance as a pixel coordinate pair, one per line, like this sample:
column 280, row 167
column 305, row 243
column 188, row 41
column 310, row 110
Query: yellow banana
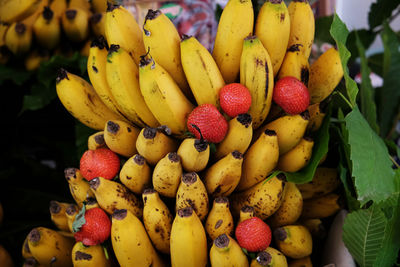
column 325, row 181
column 130, row 242
column 99, row 5
column 75, row 23
column 96, row 140
column 111, row 195
column 257, row 75
column 58, row 7
column 294, row 241
column 162, row 39
column 18, row 38
column 321, row 207
column 5, row 258
column 26, row 252
column 35, row 58
column 16, row 10
column 121, row 28
column 188, row 240
column 78, row 186
column 157, row 220
column 259, row 160
column 81, row 4
column 194, row 154
column 270, row 257
column 121, row 137
column 226, row 252
column 85, row 48
column 192, row 193
column 58, row 215
column 80, row 99
column 317, row 115
column 47, row 29
column 223, row 176
column 86, row 256
column 295, row 64
column 91, row 203
column 70, row 212
column 302, row 26
column 219, row 220
column 298, row 157
column 135, row 174
column 246, row 212
column 235, row 24
column 201, row 71
column 97, row 23
column 325, row 74
column 123, row 78
column 316, row 227
column 50, row 248
column 273, row 29
column 163, row 96
column 302, row 262
column 167, row 175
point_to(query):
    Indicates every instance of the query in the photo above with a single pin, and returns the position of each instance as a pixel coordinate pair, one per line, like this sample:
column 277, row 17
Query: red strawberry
column 213, row 126
column 101, row 162
column 234, row 99
column 291, row 95
column 92, row 227
column 253, row 234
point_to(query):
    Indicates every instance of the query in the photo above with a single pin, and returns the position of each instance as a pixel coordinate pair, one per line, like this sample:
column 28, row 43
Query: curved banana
column 246, row 212
column 58, row 215
column 270, row 257
column 70, row 212
column 298, row 157
column 96, row 140
column 157, row 220
column 121, row 137
column 47, row 29
column 16, row 10
column 294, row 241
column 167, row 175
column 316, row 228
column 235, row 24
column 18, row 38
column 78, row 186
column 325, row 181
column 58, row 7
column 302, row 262
column 5, row 258
column 97, row 23
column 225, row 251
column 317, row 114
column 273, row 29
column 135, row 174
column 257, row 75
column 295, row 64
column 188, row 240
column 194, row 153
column 35, row 58
column 219, row 220
column 75, row 23
column 86, row 256
column 80, row 99
column 321, row 207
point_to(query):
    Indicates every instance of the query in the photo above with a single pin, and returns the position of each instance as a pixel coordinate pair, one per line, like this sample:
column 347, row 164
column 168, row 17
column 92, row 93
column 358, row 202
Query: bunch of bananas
column 175, row 199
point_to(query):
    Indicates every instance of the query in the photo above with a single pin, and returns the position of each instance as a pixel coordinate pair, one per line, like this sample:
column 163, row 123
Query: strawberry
column 101, row 162
column 253, row 234
column 91, row 227
column 234, row 99
column 212, row 125
column 291, row 95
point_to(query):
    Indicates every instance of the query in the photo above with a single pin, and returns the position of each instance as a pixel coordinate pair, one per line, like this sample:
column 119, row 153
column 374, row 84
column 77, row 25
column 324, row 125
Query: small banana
column 18, row 38
column 35, row 58
column 16, row 10
column 58, row 7
column 58, row 215
column 75, row 23
column 294, row 241
column 167, row 175
column 135, row 174
column 298, row 157
column 302, row 262
column 219, row 220
column 70, row 212
column 96, row 140
column 321, row 207
column 317, row 114
column 325, row 181
column 225, row 251
column 295, row 64
column 194, row 153
column 97, row 23
column 86, row 256
column 246, row 212
column 121, row 137
column 78, row 186
column 270, row 257
column 47, row 29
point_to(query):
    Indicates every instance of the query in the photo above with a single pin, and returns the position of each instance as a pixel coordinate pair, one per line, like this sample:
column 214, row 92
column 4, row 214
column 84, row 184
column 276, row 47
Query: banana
column 157, row 220
column 163, row 96
column 18, row 38
column 58, row 7
column 294, row 241
column 325, row 74
column 201, row 71
column 246, row 212
column 131, row 244
column 121, row 28
column 58, row 215
column 298, row 157
column 97, row 23
column 86, row 256
column 290, row 209
column 26, row 252
column 96, row 140
column 321, row 207
column 50, row 248
column 295, row 64
column 316, row 228
column 123, row 79
column 188, row 240
column 5, row 258
column 78, row 186
column 35, row 58
column 167, row 175
column 257, row 75
column 222, row 177
column 91, row 203
column 75, row 23
column 194, row 153
column 266, row 197
column 153, row 144
column 325, row 181
column 99, row 5
column 120, row 137
column 219, row 220
column 3, row 30
column 111, row 195
column 192, row 193
column 135, row 174
column 16, row 10
column 235, row 24
column 70, row 212
column 302, row 262
column 81, row 4
column 225, row 251
column 302, row 26
column 81, row 100
column 273, row 29
column 47, row 29
column 162, row 39
column 317, row 114
column 240, row 133
column 259, row 160
column 269, row 257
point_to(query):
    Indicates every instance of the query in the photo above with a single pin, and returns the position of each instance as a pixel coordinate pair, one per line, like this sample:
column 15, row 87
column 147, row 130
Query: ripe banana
column 35, row 58
column 192, row 193
column 58, row 215
column 157, row 220
column 135, row 174
column 163, row 96
column 111, row 195
column 91, row 203
column 96, row 140
column 302, row 26
column 259, row 160
column 270, row 257
column 219, row 220
column 5, row 258
column 50, row 248
column 82, row 4
column 70, row 212
column 302, row 262
column 86, row 256
column 325, row 181
column 294, row 241
column 130, row 242
column 78, row 186
column 194, row 154
column 235, row 24
column 16, row 10
column 123, row 78
column 167, row 175
column 75, row 23
column 58, row 7
column 325, row 74
column 316, row 228
column 47, row 29
column 80, row 99
column 222, row 177
column 321, row 207
column 273, row 29
column 225, row 251
column 97, row 23
column 121, row 137
column 188, row 240
column 317, row 114
column 201, row 71
column 99, row 5
column 246, row 212
column 18, row 38
column 257, row 75
column 298, row 157
column 295, row 64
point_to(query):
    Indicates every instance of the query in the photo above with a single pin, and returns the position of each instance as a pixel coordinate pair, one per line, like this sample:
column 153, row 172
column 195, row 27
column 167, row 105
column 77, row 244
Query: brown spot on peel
column 185, row 212
column 82, row 256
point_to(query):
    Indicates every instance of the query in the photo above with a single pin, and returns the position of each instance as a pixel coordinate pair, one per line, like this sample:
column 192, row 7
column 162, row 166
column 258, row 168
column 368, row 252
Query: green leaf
column 366, row 38
column 79, row 220
column 371, row 165
column 380, row 11
column 17, row 75
column 375, row 62
column 322, row 26
column 352, row 202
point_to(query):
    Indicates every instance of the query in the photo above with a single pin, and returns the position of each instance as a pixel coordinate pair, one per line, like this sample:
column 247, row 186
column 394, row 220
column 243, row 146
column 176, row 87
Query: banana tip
column 61, row 75
column 264, row 258
column 222, row 241
column 34, row 235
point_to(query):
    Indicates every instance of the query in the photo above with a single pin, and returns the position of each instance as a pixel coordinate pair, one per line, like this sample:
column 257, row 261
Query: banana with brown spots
column 219, row 220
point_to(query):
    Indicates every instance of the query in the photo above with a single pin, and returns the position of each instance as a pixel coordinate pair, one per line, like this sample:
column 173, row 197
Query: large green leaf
column 380, row 11
column 366, row 37
column 322, row 26
column 375, row 62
